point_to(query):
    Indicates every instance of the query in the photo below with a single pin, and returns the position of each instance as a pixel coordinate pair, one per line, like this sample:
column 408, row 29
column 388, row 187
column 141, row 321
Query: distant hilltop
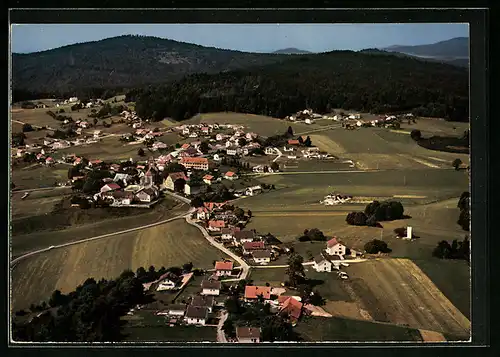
column 455, row 48
column 291, row 51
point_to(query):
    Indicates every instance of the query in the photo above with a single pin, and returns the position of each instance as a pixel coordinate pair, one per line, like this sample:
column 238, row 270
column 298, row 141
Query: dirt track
column 397, row 291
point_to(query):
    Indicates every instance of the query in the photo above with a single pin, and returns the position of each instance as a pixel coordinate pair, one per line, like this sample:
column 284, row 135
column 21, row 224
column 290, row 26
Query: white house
column 309, row 121
column 248, row 334
column 223, row 268
column 252, row 191
column 270, row 151
column 333, row 247
column 217, row 157
column 196, row 315
column 232, row 150
column 193, row 135
column 73, row 99
column 258, row 169
column 322, row 264
column 177, row 310
column 202, row 213
column 228, row 233
column 185, row 131
column 210, row 287
column 230, row 176
column 261, row 256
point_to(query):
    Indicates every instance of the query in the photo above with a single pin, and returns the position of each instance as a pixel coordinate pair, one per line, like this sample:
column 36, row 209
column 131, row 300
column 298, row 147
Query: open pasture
column 171, row 244
column 262, row 125
column 109, row 148
column 39, row 176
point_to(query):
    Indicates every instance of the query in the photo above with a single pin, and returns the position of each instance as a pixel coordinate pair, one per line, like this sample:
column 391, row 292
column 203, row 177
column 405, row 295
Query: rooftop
column 197, row 312
column 252, row 291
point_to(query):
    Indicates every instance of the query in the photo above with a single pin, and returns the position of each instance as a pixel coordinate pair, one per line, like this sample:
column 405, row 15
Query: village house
column 175, row 181
column 206, row 301
column 228, row 233
column 261, row 256
column 115, row 168
column 167, row 284
column 125, row 178
column 233, row 150
column 110, row 187
column 120, row 197
column 333, row 247
column 208, row 179
column 177, row 310
column 214, row 206
column 93, row 163
column 258, row 169
column 252, row 293
column 185, row 131
column 220, row 137
column 198, row 163
column 210, row 287
column 293, row 142
column 193, row 135
column 49, row 161
column 217, row 157
column 159, row 145
column 254, row 190
column 230, row 175
column 290, row 307
column 242, row 237
column 196, row 315
column 224, row 268
column 248, row 334
column 322, row 264
column 206, row 130
column 192, row 189
column 250, row 247
column 216, row 226
column 147, row 195
column 202, row 213
column 270, row 151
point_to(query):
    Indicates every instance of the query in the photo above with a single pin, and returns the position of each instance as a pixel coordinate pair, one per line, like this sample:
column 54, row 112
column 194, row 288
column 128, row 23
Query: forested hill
column 124, row 61
column 369, row 82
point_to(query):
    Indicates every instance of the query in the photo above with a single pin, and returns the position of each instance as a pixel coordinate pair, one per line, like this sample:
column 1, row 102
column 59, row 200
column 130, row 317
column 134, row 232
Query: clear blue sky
column 242, row 37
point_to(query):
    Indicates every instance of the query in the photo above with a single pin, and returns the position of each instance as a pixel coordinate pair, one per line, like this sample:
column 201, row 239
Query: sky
column 27, row 38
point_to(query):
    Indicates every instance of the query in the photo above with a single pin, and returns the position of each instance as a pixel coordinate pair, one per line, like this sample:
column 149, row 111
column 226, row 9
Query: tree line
column 340, row 79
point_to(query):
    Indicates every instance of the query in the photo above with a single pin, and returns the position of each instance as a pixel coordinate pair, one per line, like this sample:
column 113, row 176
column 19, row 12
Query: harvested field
column 324, row 143
column 349, row 310
column 109, row 148
column 171, row 244
column 334, row 329
column 398, row 292
column 39, row 176
column 432, row 336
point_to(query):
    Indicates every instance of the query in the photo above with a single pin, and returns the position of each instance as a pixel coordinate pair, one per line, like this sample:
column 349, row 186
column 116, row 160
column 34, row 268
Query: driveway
column 221, row 336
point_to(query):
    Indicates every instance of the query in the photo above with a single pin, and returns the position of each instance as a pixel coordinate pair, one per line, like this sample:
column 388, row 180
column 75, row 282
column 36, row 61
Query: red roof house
column 293, row 142
column 291, row 307
column 253, row 292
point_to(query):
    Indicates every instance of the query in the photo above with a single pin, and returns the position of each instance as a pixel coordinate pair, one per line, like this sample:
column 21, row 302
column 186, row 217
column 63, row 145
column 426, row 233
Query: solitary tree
column 295, row 270
column 290, row 131
column 141, row 152
column 308, row 142
column 204, row 148
column 416, row 134
column 456, row 164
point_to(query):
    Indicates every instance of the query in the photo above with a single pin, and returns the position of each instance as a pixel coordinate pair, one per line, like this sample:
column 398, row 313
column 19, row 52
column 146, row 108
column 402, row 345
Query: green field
column 39, row 176
column 319, row 329
column 170, row 244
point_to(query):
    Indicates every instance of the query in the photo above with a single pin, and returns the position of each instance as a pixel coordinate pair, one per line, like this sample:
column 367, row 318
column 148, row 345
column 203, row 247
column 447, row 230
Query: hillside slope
column 457, row 47
column 123, row 61
column 340, row 79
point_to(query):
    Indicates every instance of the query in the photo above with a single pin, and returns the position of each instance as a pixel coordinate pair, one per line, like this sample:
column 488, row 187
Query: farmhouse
column 248, row 334
column 333, row 247
column 120, row 197
column 175, row 181
column 49, row 161
column 292, row 308
column 241, row 237
column 223, row 268
column 192, row 189
column 322, row 264
column 252, row 292
column 261, row 256
column 254, row 190
column 205, row 301
column 230, row 175
column 198, row 163
column 250, row 247
column 167, row 284
column 196, row 315
column 216, row 226
column 293, row 142
column 210, row 287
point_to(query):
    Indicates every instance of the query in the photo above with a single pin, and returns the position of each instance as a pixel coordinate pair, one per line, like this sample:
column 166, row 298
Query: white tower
column 409, row 233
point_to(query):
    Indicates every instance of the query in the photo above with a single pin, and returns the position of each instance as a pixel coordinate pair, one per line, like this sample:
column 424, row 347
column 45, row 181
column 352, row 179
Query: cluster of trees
column 91, row 313
column 18, row 139
column 59, row 117
column 108, row 110
column 376, row 212
column 62, row 134
column 236, row 162
column 339, row 79
column 376, row 246
column 455, row 250
column 464, row 206
column 313, row 234
column 27, row 127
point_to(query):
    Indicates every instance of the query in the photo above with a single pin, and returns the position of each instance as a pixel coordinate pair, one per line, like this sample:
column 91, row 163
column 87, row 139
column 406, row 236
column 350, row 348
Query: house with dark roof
column 228, row 233
column 147, row 195
column 177, row 310
column 175, row 181
column 206, row 301
column 196, row 315
column 242, row 237
column 248, row 334
column 110, row 187
column 210, row 287
column 250, row 247
column 262, row 256
column 322, row 264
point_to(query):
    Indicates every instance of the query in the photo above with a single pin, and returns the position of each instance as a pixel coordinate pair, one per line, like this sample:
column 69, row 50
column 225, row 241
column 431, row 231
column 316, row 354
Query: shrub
column 416, row 134
column 356, row 219
column 375, row 246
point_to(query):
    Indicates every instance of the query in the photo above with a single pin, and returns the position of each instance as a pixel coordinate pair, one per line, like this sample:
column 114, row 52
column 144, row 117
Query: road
column 244, row 266
column 221, row 336
column 101, row 236
column 306, row 264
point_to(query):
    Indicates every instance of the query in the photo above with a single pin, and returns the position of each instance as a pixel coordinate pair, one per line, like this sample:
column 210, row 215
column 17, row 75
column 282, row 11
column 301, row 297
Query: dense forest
column 367, row 82
column 120, row 62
